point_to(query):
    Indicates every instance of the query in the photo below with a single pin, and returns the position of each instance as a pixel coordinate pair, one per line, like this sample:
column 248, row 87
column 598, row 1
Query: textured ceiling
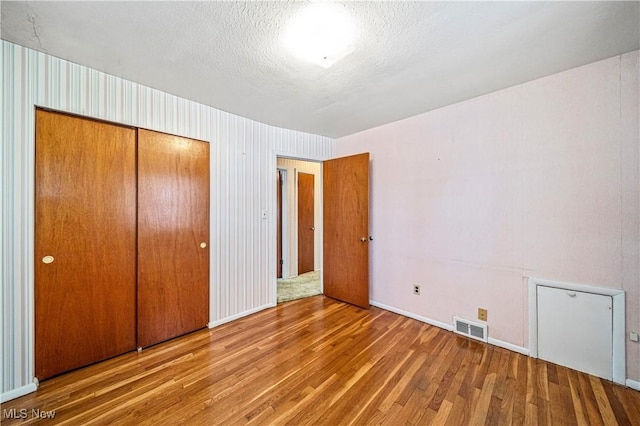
column 410, row 57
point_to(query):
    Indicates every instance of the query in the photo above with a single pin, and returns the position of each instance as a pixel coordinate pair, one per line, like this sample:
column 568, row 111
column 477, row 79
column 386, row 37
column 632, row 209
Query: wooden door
column 173, row 236
column 346, row 229
column 85, row 242
column 279, row 257
column 306, row 228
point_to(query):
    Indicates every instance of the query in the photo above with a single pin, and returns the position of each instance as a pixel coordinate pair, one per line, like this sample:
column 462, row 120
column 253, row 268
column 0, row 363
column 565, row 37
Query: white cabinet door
column 575, row 329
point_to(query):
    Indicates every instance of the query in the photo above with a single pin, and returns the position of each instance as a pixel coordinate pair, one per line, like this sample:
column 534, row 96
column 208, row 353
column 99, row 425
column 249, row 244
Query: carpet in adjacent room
column 304, row 285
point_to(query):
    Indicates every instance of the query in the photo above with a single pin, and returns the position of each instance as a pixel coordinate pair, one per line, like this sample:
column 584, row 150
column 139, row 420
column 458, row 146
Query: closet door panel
column 85, row 242
column 173, row 236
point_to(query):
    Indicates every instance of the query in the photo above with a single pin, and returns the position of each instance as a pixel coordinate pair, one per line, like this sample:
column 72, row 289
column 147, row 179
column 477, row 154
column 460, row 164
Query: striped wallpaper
column 243, row 166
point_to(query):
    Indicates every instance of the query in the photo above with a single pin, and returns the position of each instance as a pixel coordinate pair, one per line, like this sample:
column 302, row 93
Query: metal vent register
column 470, row 329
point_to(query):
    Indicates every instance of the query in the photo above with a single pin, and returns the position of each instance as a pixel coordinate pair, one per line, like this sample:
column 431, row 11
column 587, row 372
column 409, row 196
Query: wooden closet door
column 173, row 236
column 85, row 242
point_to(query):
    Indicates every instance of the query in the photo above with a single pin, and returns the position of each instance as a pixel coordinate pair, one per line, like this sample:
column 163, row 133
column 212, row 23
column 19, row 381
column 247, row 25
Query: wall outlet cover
column 482, row 314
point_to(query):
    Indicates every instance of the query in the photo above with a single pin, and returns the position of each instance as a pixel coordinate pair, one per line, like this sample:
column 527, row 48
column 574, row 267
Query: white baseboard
column 17, row 393
column 32, row 387
column 510, row 346
column 448, row 327
column 633, row 384
column 217, row 323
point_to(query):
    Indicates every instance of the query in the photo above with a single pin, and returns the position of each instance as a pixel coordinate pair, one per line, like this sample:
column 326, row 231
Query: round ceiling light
column 322, row 33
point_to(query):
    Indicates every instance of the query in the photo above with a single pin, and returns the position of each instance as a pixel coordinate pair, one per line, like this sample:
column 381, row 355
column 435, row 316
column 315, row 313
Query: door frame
column 273, row 225
column 285, row 222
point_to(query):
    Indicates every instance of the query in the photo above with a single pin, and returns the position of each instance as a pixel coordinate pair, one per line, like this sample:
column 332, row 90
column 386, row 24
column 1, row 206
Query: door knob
column 203, row 245
column 363, row 239
column 47, row 259
column 313, row 228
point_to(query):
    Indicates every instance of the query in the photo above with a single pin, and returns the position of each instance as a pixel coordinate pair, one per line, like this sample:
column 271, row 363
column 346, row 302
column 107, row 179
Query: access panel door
column 85, row 242
column 575, row 329
column 173, row 236
column 346, row 229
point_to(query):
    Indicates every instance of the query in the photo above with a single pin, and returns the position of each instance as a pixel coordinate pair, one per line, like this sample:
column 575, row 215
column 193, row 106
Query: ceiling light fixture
column 322, row 33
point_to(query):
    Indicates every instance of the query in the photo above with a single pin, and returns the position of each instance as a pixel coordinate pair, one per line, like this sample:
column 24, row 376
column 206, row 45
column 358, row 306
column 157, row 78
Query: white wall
column 292, row 167
column 243, row 167
column 539, row 180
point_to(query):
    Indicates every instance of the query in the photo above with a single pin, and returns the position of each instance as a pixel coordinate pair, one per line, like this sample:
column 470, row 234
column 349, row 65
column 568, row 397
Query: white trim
column 285, row 222
column 18, row 392
column 272, row 221
column 294, row 226
column 618, row 368
column 633, row 384
column 429, row 321
column 217, row 323
column 297, row 156
column 448, row 327
column 507, row 345
column 533, row 319
column 577, row 287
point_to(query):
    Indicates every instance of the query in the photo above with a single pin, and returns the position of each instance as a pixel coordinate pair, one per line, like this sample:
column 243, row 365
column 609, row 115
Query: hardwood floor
column 322, row 362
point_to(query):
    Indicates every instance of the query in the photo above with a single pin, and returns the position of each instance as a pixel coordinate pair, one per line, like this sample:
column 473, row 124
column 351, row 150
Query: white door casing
column 579, row 326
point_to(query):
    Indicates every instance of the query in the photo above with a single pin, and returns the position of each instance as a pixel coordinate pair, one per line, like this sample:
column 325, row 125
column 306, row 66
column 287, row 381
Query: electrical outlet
column 416, row 289
column 482, row 314
column 633, row 336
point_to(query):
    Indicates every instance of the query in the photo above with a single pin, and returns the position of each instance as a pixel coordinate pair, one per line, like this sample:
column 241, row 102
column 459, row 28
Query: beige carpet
column 304, row 285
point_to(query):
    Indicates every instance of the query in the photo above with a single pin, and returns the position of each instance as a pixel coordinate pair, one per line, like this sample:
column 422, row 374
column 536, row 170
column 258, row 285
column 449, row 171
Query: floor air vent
column 470, row 329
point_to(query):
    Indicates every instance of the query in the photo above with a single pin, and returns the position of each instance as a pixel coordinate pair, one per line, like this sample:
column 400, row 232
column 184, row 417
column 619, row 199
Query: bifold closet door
column 173, row 236
column 85, row 242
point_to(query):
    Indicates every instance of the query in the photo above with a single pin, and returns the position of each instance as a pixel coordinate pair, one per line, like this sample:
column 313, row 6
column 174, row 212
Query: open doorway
column 299, row 229
column 341, row 226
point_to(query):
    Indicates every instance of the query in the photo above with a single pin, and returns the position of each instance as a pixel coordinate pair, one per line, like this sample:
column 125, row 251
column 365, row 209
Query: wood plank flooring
column 321, row 362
